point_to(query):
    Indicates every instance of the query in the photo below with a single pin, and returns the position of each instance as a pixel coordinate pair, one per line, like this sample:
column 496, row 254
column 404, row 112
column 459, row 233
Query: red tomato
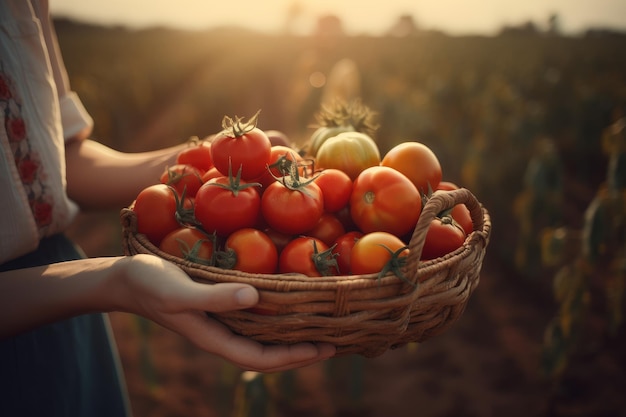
column 211, row 173
column 418, row 162
column 183, row 177
column 242, row 146
column 155, row 208
column 336, row 188
column 460, row 213
column 384, row 200
column 190, row 244
column 197, row 155
column 327, row 229
column 444, row 236
column 343, row 248
column 223, row 206
column 308, row 256
column 254, row 251
column 373, row 251
column 292, row 211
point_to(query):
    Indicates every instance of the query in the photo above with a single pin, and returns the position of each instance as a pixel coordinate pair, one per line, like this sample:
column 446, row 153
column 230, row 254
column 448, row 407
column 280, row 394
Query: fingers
column 254, row 356
column 212, row 336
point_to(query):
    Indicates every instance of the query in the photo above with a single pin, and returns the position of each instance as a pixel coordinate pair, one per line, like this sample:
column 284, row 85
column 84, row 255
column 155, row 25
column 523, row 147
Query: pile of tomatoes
column 242, row 202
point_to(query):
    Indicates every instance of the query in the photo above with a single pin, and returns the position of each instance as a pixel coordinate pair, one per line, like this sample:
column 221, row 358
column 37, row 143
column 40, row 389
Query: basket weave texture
column 360, row 314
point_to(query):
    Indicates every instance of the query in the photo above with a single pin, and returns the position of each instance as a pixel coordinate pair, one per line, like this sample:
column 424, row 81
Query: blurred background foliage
column 517, row 118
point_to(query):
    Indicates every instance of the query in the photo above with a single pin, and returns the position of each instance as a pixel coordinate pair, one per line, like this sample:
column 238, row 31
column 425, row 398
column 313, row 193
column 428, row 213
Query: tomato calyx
column 284, row 166
column 174, row 176
column 325, row 261
column 234, row 183
column 291, row 180
column 225, row 259
column 352, row 114
column 184, row 215
column 192, row 254
column 236, row 128
column 446, row 219
column 395, row 265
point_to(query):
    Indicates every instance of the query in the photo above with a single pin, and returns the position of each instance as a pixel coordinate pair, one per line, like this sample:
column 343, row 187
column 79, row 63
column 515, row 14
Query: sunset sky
column 358, row 17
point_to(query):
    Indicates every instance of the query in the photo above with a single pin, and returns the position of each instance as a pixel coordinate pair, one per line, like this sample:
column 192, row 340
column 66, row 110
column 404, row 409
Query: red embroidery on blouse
column 27, row 160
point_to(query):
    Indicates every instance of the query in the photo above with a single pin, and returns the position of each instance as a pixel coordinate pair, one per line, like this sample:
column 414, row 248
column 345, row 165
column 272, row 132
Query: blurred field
column 484, row 105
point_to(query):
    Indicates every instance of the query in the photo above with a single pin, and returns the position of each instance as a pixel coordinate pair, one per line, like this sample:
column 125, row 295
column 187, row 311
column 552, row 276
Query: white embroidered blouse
column 37, row 116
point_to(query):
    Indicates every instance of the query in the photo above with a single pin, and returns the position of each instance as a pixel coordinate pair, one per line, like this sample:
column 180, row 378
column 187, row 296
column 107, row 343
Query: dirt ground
column 487, row 364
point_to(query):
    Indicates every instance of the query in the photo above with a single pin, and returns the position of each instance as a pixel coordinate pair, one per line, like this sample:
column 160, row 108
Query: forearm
column 32, row 297
column 99, row 177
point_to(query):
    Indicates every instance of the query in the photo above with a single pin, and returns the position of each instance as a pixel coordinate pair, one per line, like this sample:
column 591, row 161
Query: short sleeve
column 76, row 121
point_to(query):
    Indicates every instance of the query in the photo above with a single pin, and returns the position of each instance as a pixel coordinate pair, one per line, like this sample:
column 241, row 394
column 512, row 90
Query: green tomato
column 324, row 133
column 350, row 152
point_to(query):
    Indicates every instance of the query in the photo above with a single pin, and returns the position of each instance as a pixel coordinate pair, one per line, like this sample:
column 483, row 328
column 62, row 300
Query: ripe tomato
column 308, row 256
column 278, row 154
column 373, row 251
column 242, row 146
column 223, row 205
column 197, row 154
column 384, row 200
column 190, row 244
column 327, row 229
column 336, row 188
column 183, row 177
column 350, row 152
column 254, row 251
column 460, row 213
column 155, row 208
column 343, row 248
column 211, row 173
column 444, row 236
column 292, row 211
column 418, row 162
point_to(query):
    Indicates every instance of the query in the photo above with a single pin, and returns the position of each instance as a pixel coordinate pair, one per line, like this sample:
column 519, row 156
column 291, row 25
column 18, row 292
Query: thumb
column 220, row 297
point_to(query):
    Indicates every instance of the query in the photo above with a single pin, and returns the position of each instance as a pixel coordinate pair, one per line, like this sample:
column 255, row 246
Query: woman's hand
column 162, row 292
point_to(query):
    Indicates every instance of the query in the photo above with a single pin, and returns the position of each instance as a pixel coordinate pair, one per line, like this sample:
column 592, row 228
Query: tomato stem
column 236, row 128
column 234, row 183
column 325, row 261
column 395, row 265
column 292, row 180
column 369, row 197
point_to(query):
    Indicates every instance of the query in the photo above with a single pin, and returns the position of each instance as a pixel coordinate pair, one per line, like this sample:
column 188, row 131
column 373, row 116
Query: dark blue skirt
column 68, row 368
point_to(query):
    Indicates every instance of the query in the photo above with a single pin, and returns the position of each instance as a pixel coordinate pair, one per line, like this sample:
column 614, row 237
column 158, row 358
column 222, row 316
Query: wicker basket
column 360, row 314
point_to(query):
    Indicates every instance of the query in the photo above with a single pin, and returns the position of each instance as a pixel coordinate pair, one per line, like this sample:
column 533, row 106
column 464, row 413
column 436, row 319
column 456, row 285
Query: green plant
column 591, row 280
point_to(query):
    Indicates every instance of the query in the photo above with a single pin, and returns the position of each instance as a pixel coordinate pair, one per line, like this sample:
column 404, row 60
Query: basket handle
column 438, row 202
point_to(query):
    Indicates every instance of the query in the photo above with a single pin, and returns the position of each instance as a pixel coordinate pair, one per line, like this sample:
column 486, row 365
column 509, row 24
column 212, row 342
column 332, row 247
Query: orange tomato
column 418, row 162
column 372, row 251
